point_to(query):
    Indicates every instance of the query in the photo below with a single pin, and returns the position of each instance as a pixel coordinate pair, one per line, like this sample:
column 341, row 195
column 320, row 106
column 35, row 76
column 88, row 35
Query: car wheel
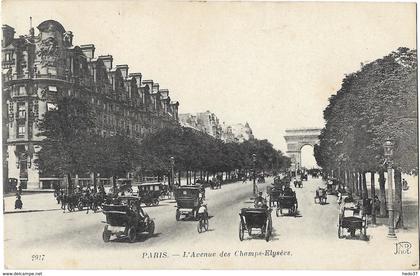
column 106, row 235
column 132, row 235
column 241, row 231
column 151, row 229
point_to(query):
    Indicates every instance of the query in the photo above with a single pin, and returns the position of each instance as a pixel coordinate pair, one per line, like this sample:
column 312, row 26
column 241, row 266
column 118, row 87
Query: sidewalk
column 410, row 218
column 32, row 202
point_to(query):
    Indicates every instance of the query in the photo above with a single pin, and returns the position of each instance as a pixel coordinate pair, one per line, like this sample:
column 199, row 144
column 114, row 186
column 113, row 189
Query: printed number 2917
column 38, row 257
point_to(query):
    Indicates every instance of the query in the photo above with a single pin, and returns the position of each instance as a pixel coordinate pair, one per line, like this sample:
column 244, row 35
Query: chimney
column 88, row 50
column 124, row 70
column 164, row 93
column 149, row 84
column 137, row 76
column 155, row 88
column 107, row 61
column 8, row 35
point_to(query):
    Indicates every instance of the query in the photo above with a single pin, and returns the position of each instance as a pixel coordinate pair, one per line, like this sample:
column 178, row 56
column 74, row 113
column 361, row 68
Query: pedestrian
column 404, row 185
column 18, row 202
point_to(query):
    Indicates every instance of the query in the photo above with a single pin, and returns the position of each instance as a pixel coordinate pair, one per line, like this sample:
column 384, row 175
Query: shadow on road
column 30, row 211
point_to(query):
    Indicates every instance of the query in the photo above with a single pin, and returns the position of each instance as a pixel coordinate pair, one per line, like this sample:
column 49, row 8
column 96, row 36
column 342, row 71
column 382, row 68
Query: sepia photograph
column 217, row 135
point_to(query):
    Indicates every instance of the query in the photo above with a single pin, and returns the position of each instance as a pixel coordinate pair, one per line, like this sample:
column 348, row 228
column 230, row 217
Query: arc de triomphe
column 298, row 138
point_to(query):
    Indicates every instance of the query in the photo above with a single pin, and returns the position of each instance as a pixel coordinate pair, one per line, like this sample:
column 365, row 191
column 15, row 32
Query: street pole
column 172, row 182
column 388, row 149
column 254, row 161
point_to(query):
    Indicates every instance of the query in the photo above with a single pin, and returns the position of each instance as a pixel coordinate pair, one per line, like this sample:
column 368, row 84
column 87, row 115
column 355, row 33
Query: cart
column 255, row 218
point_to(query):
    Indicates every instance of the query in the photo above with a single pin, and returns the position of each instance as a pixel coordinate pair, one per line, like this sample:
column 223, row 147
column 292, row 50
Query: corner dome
column 51, row 25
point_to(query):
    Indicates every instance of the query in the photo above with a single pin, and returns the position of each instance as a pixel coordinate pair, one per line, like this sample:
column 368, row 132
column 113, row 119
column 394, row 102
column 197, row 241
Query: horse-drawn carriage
column 287, row 200
column 255, row 218
column 126, row 219
column 188, row 201
column 321, row 196
column 352, row 219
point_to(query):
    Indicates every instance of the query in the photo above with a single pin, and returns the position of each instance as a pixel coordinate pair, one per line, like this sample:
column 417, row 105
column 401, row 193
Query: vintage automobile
column 260, row 179
column 298, row 183
column 332, row 184
column 304, row 177
column 321, row 196
column 352, row 219
column 188, row 201
column 287, row 201
column 123, row 186
column 255, row 218
column 126, row 219
column 150, row 193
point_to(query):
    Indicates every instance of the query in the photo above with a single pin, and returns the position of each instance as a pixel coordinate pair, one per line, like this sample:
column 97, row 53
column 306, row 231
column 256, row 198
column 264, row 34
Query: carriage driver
column 260, row 201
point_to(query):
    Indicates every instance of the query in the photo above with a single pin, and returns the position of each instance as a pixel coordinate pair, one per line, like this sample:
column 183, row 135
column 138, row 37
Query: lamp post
column 172, row 182
column 388, row 151
column 254, row 161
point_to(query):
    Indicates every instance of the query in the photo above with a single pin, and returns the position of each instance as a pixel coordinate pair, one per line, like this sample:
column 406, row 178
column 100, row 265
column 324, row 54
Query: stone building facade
column 209, row 123
column 38, row 69
column 237, row 133
column 206, row 122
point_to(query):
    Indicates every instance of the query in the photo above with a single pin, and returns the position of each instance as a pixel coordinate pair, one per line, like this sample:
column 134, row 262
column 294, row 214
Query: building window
column 21, row 91
column 52, row 88
column 21, row 110
column 21, row 131
column 51, row 106
column 8, row 57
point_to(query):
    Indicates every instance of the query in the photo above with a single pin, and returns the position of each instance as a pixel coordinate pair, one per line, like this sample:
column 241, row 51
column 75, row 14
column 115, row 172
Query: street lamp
column 388, row 152
column 172, row 182
column 254, row 161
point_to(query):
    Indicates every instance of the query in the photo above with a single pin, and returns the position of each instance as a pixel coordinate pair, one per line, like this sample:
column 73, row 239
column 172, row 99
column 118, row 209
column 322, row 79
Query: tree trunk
column 195, row 176
column 398, row 217
column 357, row 178
column 339, row 178
column 382, row 194
column 179, row 178
column 365, row 190
column 69, row 184
column 114, row 183
column 373, row 195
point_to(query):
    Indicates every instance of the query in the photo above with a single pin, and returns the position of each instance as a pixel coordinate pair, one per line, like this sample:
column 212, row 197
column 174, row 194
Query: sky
column 273, row 65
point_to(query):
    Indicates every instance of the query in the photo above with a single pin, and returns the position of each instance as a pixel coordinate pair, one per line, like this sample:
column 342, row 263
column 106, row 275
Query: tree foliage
column 373, row 104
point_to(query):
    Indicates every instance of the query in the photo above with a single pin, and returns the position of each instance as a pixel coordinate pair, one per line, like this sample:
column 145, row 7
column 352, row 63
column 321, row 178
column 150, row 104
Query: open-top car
column 188, row 201
column 288, row 201
column 352, row 218
column 125, row 218
column 255, row 219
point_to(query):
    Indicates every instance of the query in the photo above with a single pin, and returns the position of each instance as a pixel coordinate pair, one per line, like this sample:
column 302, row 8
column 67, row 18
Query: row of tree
column 376, row 103
column 72, row 146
